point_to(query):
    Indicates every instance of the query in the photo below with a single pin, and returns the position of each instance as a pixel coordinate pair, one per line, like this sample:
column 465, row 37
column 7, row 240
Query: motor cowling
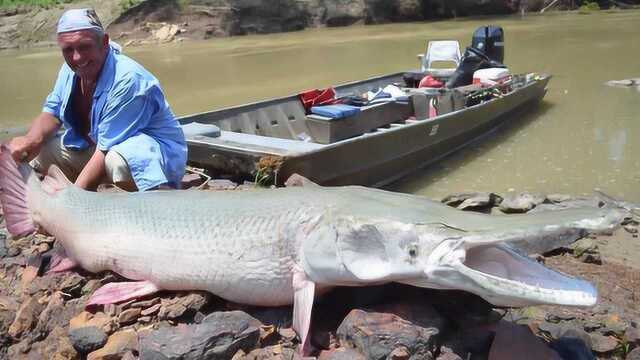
column 490, row 40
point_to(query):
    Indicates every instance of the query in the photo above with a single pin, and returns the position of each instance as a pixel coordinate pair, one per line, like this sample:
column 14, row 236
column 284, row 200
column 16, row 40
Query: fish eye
column 413, row 250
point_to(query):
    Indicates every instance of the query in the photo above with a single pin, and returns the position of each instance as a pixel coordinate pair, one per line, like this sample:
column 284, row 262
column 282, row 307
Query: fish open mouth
column 512, row 279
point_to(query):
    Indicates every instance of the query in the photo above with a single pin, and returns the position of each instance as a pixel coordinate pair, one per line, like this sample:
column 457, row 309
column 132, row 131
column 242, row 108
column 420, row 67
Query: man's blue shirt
column 129, row 115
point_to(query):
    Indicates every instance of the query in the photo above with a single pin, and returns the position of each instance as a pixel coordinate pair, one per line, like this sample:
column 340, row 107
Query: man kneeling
column 118, row 127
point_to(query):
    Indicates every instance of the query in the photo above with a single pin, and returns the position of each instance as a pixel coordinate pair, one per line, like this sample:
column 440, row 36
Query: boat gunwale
column 240, row 148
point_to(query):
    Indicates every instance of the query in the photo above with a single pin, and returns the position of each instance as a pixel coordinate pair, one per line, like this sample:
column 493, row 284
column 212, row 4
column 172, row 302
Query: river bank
column 143, row 22
column 43, row 315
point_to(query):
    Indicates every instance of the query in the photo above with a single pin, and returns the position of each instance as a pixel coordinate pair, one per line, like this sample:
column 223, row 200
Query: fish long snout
column 504, row 277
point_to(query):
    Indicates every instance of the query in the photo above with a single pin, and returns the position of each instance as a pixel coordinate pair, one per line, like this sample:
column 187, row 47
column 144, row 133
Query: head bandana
column 79, row 19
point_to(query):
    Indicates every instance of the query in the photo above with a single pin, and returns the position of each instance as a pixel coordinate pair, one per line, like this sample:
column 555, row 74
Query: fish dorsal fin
column 55, row 180
column 298, row 180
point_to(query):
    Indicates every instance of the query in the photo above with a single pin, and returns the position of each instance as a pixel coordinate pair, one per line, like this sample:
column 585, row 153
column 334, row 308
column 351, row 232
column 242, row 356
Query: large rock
column 56, row 346
column 382, row 11
column 344, row 12
column 341, row 354
column 26, row 318
column 87, row 339
column 512, row 341
column 377, row 335
column 219, row 336
column 117, row 346
column 472, row 200
column 633, row 355
column 520, row 202
column 261, row 17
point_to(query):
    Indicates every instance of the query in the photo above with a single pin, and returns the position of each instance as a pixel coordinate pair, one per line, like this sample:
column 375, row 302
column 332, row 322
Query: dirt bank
column 168, row 20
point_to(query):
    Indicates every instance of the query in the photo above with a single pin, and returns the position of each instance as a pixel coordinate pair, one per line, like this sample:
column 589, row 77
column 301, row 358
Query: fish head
column 350, row 251
column 500, row 275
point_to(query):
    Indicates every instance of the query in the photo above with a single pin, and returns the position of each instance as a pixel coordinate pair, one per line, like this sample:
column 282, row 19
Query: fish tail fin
column 13, row 194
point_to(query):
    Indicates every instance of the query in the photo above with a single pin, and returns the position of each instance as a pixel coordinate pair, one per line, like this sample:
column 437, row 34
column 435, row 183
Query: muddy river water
column 585, row 135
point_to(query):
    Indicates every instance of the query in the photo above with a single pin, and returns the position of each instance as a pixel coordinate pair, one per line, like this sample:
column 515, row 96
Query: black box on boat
column 489, row 40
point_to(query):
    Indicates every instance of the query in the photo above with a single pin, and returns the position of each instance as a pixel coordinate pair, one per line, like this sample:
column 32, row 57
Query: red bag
column 429, row 81
column 318, row 97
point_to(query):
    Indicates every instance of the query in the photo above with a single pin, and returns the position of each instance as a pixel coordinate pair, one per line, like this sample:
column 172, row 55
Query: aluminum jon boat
column 385, row 139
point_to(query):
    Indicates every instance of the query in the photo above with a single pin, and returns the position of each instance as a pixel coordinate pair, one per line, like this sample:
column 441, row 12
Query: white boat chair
column 440, row 51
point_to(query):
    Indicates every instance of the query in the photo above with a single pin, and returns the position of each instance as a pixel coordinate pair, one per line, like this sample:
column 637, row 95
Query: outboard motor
column 489, row 40
column 486, row 51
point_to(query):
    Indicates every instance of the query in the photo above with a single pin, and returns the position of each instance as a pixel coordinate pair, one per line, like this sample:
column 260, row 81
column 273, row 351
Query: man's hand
column 93, row 171
column 24, row 148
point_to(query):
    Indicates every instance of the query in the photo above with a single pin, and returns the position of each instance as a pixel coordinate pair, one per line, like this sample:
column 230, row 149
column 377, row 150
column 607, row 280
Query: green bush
column 588, row 7
column 126, row 4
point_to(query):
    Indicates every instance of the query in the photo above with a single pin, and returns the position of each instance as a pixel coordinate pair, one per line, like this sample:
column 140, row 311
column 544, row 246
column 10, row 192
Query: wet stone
column 72, row 285
column 558, row 198
column 56, row 346
column 572, row 348
column 146, row 303
column 3, row 244
column 587, row 251
column 631, row 229
column 117, row 345
column 99, row 320
column 376, row 335
column 175, row 308
column 219, row 336
column 521, row 202
column 634, row 354
column 558, row 317
column 473, row 200
column 447, row 354
column 562, row 330
column 87, row 339
column 613, row 325
column 91, row 286
column 603, row 344
column 269, row 352
column 26, row 318
column 632, row 336
column 150, row 310
column 129, row 316
column 591, row 326
column 341, row 354
column 221, row 184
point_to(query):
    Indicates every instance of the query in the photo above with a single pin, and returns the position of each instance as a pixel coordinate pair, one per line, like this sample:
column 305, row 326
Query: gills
column 281, row 246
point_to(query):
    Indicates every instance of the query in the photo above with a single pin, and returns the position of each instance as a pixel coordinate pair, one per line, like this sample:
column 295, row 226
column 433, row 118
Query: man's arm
column 93, row 172
column 27, row 147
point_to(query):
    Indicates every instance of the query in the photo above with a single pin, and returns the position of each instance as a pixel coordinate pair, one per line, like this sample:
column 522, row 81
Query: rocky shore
column 154, row 21
column 44, row 316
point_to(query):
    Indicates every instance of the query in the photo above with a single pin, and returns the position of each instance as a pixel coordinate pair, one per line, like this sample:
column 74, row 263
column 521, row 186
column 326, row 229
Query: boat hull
column 384, row 158
column 372, row 159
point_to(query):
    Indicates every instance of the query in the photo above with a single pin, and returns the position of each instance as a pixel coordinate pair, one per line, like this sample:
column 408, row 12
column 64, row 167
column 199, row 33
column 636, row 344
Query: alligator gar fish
column 282, row 246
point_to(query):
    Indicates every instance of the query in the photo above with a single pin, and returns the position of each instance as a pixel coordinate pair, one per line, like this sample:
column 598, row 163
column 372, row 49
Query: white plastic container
column 491, row 76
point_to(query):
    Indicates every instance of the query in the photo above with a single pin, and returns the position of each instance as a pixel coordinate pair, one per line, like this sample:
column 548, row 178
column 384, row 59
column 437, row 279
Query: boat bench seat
column 199, row 129
column 285, row 120
column 250, row 143
column 326, row 130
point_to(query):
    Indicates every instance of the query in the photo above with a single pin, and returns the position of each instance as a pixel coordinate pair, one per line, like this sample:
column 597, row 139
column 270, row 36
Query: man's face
column 84, row 51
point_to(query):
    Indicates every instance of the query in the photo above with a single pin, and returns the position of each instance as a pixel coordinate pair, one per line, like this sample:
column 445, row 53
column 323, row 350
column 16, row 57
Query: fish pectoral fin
column 60, row 262
column 121, row 291
column 55, row 180
column 304, row 292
